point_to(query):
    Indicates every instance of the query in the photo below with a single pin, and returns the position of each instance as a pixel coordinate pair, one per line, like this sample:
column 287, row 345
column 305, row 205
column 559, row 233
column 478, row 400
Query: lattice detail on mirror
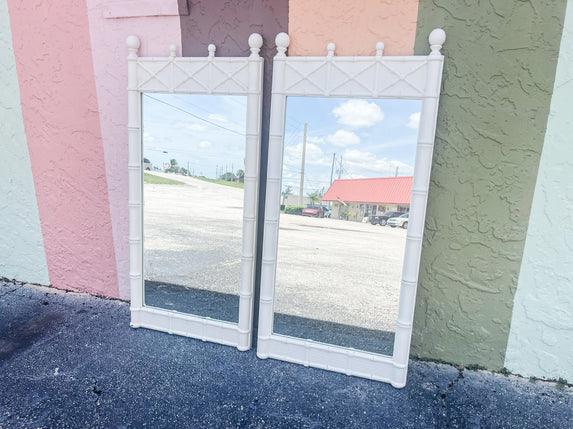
column 325, row 76
column 209, row 75
column 217, row 76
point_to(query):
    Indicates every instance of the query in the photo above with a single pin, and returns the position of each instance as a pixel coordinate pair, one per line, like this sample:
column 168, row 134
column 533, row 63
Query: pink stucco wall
column 353, row 25
column 60, row 110
column 72, row 72
column 156, row 32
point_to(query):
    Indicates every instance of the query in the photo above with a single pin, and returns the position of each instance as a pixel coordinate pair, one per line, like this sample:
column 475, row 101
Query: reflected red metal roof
column 381, row 190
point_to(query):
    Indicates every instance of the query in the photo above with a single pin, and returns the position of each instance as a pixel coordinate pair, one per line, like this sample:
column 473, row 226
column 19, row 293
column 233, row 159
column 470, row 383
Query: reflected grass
column 222, row 182
column 156, row 180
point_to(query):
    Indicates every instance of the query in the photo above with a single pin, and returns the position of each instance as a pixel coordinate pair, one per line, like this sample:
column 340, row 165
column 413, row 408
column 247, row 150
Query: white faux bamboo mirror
column 362, row 86
column 194, row 144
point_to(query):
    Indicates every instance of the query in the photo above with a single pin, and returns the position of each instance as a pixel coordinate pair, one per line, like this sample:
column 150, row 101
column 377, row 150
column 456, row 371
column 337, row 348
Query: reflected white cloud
column 218, row 117
column 190, row 127
column 358, row 156
column 314, row 155
column 343, row 138
column 414, row 121
column 359, row 162
column 314, row 139
column 358, row 113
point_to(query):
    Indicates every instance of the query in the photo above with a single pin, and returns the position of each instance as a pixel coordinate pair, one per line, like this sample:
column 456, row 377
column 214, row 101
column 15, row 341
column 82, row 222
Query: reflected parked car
column 383, row 218
column 314, row 211
column 147, row 165
column 401, row 221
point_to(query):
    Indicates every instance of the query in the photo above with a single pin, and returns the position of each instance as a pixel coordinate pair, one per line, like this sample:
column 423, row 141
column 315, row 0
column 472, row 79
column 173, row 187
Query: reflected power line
column 195, row 116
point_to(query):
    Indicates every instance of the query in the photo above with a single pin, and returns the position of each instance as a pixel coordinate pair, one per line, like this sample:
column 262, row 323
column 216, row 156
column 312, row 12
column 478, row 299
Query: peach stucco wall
column 157, row 24
column 355, row 26
column 60, row 110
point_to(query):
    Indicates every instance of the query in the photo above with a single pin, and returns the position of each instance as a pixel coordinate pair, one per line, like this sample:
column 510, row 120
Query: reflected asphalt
column 338, row 275
column 222, row 306
column 71, row 361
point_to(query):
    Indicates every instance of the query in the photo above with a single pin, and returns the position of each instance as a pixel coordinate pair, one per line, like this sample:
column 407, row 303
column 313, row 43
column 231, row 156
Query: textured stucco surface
column 109, row 53
column 355, row 26
column 498, row 80
column 542, row 321
column 228, row 25
column 21, row 244
column 59, row 105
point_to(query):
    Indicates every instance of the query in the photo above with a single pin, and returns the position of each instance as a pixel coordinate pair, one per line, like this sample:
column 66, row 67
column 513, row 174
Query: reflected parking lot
column 337, row 281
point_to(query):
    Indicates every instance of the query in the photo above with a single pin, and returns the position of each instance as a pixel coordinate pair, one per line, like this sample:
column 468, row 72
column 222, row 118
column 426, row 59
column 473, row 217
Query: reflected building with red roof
column 355, row 199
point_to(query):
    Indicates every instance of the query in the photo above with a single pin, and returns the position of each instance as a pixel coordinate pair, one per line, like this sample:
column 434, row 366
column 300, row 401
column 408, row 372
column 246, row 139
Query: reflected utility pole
column 331, row 174
column 332, row 168
column 340, row 168
column 302, row 167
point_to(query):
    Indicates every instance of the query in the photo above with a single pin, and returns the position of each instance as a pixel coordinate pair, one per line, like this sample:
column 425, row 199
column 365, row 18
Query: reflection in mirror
column 346, row 163
column 193, row 149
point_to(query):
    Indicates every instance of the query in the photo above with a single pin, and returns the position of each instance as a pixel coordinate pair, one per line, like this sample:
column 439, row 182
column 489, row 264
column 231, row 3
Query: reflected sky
column 374, row 137
column 204, row 133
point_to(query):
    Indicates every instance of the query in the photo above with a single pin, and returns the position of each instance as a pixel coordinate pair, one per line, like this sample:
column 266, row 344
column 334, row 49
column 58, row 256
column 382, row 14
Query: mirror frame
column 395, row 77
column 195, row 75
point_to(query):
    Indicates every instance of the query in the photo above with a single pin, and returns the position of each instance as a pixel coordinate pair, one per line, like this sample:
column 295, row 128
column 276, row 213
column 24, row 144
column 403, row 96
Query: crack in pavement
column 444, row 394
column 12, row 290
column 98, row 393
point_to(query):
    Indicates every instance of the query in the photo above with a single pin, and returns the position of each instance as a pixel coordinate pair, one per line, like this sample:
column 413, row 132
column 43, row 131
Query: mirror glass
column 339, row 262
column 193, row 170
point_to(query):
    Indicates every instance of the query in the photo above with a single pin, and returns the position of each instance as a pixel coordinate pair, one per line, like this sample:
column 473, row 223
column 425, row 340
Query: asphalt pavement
column 70, row 360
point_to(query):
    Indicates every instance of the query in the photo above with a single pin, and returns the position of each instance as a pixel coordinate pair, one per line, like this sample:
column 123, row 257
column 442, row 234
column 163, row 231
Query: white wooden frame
column 409, row 77
column 207, row 75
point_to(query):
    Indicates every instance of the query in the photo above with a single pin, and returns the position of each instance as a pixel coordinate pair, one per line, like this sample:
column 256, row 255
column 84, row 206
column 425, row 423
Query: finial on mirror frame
column 282, row 41
column 437, row 38
column 379, row 49
column 133, row 44
column 330, row 50
column 172, row 51
column 211, row 48
column 255, row 43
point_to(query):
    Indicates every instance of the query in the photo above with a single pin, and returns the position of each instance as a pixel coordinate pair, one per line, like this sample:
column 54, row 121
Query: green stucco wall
column 500, row 61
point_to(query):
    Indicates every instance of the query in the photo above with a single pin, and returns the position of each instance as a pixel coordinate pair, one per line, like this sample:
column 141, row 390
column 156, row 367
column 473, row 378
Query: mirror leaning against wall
column 339, row 260
column 194, row 144
column 193, row 182
column 343, row 292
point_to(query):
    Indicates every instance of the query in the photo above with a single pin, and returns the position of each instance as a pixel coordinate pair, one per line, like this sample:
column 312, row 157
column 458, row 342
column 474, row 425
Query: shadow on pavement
column 223, row 306
column 185, row 299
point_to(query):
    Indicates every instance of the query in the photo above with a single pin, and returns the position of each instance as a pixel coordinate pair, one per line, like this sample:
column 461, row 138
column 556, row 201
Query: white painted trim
column 416, row 77
column 140, row 8
column 208, row 75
